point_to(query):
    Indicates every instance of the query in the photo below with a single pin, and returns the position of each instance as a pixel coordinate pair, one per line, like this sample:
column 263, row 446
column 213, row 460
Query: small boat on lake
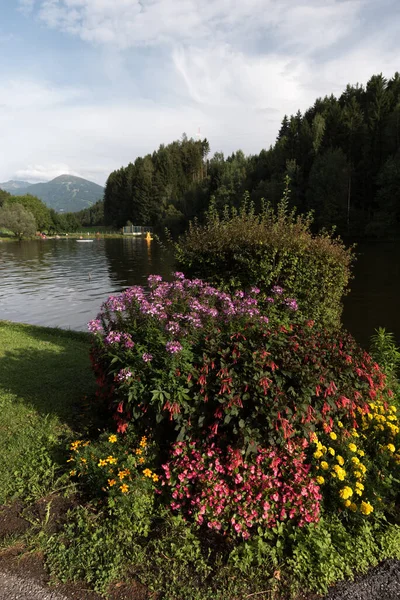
column 85, row 240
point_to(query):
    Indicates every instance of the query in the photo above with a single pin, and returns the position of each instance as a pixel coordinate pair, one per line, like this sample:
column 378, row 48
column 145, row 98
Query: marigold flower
column 355, row 460
column 124, row 488
column 346, row 492
column 391, row 448
column 102, row 462
column 347, row 503
column 340, row 424
column 141, row 460
column 112, row 439
column 353, row 507
column 366, row 508
column 147, row 473
column 111, row 460
column 155, row 477
column 333, row 435
column 361, row 453
column 340, row 460
column 324, row 465
column 352, row 447
column 317, row 454
column 320, row 480
column 138, row 451
column 111, row 482
column 331, row 451
column 72, row 473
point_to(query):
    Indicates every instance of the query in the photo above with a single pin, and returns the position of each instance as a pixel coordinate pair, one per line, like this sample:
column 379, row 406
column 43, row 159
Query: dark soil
column 11, row 521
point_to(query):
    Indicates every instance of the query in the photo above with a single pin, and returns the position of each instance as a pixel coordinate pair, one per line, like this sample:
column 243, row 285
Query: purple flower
column 271, row 300
column 123, row 375
column 255, row 290
column 291, row 303
column 152, row 280
column 277, row 290
column 147, row 357
column 95, row 325
column 173, row 347
column 114, row 337
column 179, row 275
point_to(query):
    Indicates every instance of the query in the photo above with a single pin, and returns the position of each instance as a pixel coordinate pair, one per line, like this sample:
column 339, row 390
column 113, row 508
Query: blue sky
column 89, row 85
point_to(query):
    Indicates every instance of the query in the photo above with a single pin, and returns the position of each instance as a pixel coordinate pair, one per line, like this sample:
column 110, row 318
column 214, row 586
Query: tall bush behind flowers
column 258, row 418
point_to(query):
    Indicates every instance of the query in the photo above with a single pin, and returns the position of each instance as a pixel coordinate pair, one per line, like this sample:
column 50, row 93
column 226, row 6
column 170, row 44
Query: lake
column 64, row 282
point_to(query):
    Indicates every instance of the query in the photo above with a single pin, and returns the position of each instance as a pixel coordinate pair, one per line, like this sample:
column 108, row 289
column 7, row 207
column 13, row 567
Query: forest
column 342, row 157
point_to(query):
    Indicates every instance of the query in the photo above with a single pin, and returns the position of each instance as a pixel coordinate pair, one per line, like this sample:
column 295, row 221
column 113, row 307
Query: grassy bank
column 43, row 374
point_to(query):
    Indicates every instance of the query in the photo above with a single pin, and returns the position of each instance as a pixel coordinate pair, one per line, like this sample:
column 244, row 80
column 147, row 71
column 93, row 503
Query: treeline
column 342, row 156
column 46, row 219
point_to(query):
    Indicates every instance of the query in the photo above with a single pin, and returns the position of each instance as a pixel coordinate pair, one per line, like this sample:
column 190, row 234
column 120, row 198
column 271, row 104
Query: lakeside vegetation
column 239, row 441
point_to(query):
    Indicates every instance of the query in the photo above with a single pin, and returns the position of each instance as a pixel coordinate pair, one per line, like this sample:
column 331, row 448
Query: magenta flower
column 173, row 347
column 147, row 357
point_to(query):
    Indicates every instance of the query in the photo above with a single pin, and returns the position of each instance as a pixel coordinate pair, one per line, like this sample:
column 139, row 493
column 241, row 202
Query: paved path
column 13, row 587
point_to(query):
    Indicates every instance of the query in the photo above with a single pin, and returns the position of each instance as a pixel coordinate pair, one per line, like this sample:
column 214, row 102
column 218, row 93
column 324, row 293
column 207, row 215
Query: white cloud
column 129, row 23
column 35, row 173
column 26, row 6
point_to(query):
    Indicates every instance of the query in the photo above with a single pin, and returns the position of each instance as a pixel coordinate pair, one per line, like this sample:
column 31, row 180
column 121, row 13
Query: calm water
column 63, row 282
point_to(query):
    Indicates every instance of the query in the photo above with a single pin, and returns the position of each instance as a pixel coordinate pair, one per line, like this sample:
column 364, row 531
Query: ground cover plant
column 253, row 450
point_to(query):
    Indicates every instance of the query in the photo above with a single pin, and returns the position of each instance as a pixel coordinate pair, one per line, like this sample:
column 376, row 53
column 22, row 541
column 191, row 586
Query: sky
column 86, row 86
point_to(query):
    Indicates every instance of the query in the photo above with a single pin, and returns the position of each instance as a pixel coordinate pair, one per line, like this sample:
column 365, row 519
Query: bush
column 242, row 249
column 264, row 411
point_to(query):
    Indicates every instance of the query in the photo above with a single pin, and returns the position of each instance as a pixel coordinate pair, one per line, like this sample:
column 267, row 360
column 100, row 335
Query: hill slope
column 13, row 186
column 65, row 193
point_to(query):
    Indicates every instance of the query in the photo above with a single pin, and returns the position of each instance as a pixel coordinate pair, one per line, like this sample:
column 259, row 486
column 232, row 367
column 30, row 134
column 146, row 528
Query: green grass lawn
column 44, row 374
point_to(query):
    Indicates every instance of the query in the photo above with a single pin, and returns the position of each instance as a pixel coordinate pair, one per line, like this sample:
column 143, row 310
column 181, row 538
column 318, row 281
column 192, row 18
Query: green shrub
column 242, row 249
column 386, row 353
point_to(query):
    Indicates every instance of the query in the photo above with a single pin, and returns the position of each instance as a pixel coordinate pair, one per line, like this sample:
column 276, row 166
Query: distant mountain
column 65, row 193
column 13, row 185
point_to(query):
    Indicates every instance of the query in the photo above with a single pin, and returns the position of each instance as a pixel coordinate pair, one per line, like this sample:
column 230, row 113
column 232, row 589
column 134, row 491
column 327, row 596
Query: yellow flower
column 124, row 488
column 366, row 508
column 340, row 460
column 320, row 480
column 393, row 408
column 324, row 465
column 102, row 463
column 358, row 474
column 391, row 448
column 352, row 447
column 341, row 473
column 72, row 473
column 331, row 451
column 138, row 451
column 121, row 474
column 361, row 453
column 141, row 460
column 358, row 492
column 84, row 460
column 112, row 439
column 340, row 424
column 155, row 477
column 347, row 503
column 111, row 482
column 362, row 468
column 346, row 492
column 111, row 460
column 143, row 442
column 359, row 485
column 147, row 473
column 355, row 460
column 353, row 507
column 333, row 435
column 75, row 445
column 317, row 454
